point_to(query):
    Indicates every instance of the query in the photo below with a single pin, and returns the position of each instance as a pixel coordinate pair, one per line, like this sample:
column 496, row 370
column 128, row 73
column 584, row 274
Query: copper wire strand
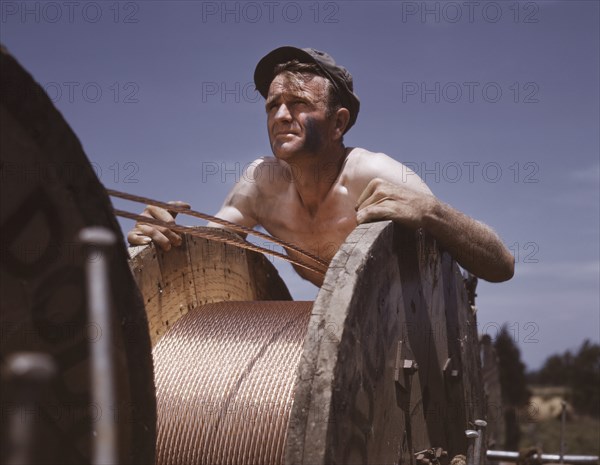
column 222, row 222
column 216, row 237
column 240, row 360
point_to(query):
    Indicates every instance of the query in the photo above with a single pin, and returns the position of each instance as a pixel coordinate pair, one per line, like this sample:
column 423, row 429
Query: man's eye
column 297, row 103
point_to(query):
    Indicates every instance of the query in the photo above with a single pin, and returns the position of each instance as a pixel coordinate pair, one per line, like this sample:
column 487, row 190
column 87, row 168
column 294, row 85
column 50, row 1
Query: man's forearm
column 475, row 246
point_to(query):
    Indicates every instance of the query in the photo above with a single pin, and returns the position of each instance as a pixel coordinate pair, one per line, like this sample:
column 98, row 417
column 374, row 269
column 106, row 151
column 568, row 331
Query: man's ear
column 342, row 117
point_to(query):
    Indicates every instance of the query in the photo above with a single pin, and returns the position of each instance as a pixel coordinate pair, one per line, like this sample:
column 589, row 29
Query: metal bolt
column 447, row 364
column 471, row 437
column 480, row 424
column 452, row 372
column 410, row 365
column 98, row 241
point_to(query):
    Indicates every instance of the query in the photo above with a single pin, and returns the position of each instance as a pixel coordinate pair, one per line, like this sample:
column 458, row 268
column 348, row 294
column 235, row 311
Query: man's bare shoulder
column 363, row 165
column 267, row 174
column 258, row 186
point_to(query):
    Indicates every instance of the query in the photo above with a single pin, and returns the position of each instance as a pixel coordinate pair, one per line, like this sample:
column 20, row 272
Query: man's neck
column 315, row 175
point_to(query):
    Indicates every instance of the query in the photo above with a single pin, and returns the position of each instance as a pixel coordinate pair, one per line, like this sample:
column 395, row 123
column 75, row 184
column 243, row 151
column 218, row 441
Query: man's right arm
column 239, row 208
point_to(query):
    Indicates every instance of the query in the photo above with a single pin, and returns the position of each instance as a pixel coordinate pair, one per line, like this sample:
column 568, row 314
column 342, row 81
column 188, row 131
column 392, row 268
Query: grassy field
column 582, row 433
column 582, row 436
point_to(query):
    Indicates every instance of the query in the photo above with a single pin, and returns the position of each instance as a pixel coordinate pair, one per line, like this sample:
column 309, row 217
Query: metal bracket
column 450, row 370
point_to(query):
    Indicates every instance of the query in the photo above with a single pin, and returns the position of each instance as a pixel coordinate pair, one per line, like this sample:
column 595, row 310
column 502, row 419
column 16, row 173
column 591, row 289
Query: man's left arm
column 474, row 245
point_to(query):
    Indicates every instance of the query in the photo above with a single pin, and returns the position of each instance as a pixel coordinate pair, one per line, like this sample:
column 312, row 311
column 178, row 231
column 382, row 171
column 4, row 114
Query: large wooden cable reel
column 332, row 381
column 49, row 192
column 389, row 299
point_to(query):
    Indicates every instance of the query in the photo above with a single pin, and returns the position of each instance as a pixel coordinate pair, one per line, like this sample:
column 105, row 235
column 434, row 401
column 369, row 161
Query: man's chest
column 320, row 233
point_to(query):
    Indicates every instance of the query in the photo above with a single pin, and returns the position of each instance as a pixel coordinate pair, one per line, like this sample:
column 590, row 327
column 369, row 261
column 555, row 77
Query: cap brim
column 263, row 74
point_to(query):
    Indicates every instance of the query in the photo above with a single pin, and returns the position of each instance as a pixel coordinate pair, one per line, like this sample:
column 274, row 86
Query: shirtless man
column 315, row 190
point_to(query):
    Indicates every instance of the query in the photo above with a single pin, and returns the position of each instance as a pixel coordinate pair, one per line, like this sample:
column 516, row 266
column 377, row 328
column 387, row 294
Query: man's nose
column 283, row 113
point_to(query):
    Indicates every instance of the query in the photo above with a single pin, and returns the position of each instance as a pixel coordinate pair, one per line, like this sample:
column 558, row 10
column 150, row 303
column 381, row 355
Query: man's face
column 297, row 116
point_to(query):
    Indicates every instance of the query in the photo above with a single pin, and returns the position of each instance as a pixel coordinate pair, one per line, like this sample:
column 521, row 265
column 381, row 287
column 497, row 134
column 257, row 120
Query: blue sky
column 494, row 104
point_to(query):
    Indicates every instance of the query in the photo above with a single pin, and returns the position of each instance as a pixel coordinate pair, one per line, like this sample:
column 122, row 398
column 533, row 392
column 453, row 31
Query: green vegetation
column 532, row 402
column 579, row 372
column 574, row 378
column 582, row 434
column 515, row 394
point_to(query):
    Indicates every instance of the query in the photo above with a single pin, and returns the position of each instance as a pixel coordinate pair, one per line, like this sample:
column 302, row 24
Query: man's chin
column 282, row 152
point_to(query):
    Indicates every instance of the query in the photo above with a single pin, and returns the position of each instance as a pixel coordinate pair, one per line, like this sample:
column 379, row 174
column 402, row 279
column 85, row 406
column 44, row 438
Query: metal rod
column 98, row 241
column 480, row 424
column 28, row 376
column 563, row 418
column 192, row 231
column 509, row 456
column 472, row 436
column 229, row 225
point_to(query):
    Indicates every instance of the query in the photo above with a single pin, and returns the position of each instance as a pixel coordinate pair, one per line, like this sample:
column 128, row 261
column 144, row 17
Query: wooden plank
column 423, row 304
column 147, row 274
column 472, row 385
column 266, row 283
column 220, row 270
column 454, row 375
column 347, row 404
column 493, row 392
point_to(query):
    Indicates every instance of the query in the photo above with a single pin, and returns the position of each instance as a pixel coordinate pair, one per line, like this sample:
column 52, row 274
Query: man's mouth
column 285, row 133
column 280, row 131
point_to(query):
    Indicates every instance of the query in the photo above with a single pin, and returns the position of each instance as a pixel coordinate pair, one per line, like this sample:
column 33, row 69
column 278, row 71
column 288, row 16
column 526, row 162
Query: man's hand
column 474, row 245
column 143, row 234
column 382, row 200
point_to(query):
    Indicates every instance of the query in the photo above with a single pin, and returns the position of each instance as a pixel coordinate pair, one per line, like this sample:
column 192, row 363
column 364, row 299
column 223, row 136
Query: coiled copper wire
column 224, row 377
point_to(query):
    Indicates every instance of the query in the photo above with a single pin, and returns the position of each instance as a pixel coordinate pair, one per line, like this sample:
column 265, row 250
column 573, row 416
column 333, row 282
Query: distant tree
column 585, row 379
column 579, row 372
column 556, row 371
column 513, row 382
column 512, row 370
